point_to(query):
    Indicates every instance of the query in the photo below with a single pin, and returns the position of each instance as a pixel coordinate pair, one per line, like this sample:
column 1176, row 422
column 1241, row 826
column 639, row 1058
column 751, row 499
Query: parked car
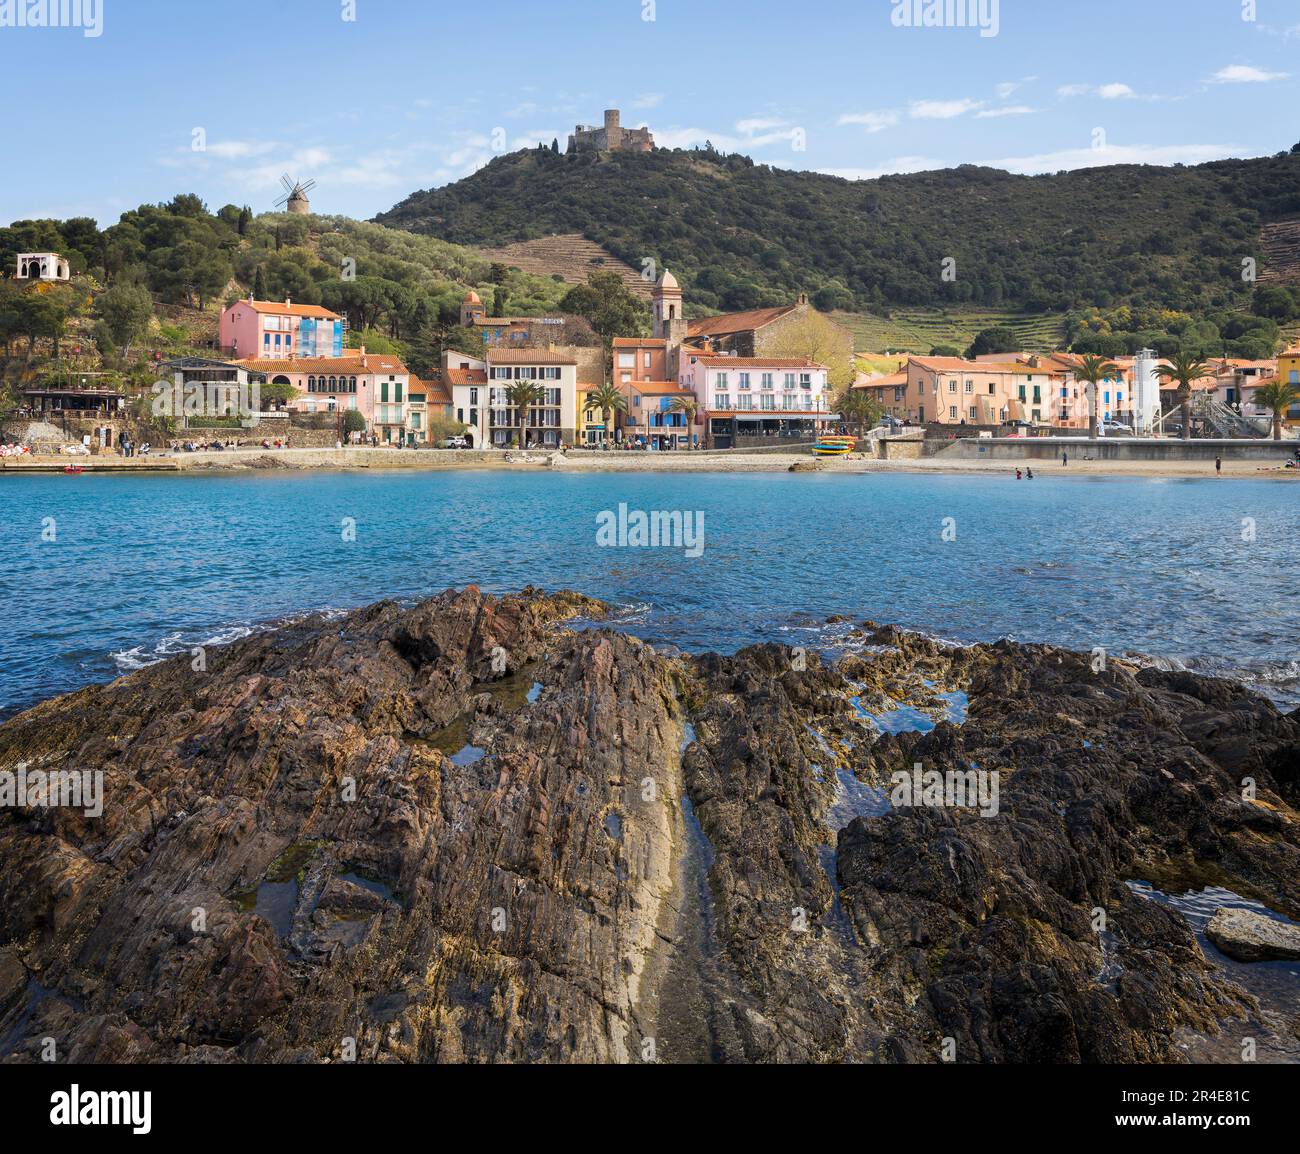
column 1116, row 429
column 455, row 443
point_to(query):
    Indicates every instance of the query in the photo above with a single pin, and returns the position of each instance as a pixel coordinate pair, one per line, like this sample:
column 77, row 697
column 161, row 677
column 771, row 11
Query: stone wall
column 1109, row 449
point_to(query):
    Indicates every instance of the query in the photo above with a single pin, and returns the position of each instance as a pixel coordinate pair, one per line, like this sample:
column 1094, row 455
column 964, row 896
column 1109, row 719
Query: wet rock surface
column 1251, row 937
column 642, row 857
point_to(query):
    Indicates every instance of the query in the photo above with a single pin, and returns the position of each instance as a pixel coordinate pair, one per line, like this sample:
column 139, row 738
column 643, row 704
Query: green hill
column 741, row 235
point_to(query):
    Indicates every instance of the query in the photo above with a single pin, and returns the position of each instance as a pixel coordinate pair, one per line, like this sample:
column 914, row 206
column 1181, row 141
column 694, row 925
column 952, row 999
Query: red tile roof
column 892, row 380
column 435, row 391
column 713, row 360
column 730, row 323
column 292, row 309
column 466, row 377
column 640, row 342
column 351, row 362
column 528, row 357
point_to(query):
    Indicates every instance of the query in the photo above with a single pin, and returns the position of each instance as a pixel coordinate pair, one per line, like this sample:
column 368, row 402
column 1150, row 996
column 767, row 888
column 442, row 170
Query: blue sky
column 410, row 95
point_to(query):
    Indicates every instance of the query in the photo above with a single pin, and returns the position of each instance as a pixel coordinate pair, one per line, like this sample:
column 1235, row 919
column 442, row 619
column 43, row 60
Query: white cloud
column 1010, row 87
column 754, row 132
column 899, row 164
column 1073, row 90
column 1008, row 110
column 535, row 136
column 1245, row 74
column 692, row 137
column 1116, row 92
column 648, row 100
column 871, row 121
column 757, row 124
column 240, row 149
column 1072, row 158
column 942, row 109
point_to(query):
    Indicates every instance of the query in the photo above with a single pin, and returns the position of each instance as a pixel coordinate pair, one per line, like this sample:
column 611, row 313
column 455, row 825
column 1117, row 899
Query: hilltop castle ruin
column 612, row 137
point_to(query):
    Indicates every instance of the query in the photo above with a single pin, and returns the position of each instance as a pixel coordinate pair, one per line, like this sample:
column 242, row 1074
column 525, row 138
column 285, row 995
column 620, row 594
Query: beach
column 578, row 461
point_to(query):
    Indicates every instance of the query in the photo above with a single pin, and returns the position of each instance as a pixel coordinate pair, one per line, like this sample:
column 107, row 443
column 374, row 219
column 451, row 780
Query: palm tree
column 860, row 406
column 1093, row 369
column 609, row 401
column 1278, row 395
column 523, row 395
column 688, row 405
column 1184, row 368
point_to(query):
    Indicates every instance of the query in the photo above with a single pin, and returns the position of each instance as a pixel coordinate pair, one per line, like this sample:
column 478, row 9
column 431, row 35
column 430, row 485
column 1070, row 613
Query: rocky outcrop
column 471, row 830
column 1252, row 937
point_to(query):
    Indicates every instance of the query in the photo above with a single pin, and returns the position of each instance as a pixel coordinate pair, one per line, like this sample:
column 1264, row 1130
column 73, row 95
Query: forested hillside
column 740, row 235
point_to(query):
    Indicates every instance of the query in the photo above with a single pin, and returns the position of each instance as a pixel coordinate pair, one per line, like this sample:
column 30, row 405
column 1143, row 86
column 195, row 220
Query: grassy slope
column 919, row 330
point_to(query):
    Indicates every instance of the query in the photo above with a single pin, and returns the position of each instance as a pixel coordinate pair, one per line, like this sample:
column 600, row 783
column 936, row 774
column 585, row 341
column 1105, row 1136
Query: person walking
column 1065, row 458
column 1218, row 466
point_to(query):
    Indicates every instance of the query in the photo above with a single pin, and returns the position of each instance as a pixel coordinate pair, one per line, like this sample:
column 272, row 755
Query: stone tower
column 613, row 132
column 669, row 323
column 298, row 204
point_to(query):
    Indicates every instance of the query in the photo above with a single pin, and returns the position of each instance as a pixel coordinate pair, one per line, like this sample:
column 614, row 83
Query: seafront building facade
column 757, row 396
column 479, row 389
column 273, row 330
column 374, row 384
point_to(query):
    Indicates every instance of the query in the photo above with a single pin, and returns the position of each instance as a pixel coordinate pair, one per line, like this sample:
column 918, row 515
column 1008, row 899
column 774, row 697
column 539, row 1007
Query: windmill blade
column 308, row 186
column 282, row 200
column 288, row 184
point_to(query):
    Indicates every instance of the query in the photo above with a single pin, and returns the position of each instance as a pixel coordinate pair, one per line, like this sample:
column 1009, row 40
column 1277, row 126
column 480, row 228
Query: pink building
column 377, row 385
column 271, row 330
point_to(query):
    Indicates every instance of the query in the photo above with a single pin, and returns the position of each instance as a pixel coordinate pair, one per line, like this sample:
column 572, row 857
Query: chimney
column 288, row 303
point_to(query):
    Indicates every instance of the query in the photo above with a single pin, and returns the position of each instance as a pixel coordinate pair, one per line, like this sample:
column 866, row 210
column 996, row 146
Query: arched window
column 333, row 383
column 311, row 384
column 352, row 384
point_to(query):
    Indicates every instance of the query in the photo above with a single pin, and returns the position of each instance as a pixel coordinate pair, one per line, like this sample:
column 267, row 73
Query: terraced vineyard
column 919, row 330
column 1280, row 244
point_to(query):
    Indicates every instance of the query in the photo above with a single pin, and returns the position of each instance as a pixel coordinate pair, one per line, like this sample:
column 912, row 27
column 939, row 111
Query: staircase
column 1228, row 422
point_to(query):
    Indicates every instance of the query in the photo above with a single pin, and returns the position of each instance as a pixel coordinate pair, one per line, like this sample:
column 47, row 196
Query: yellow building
column 591, row 421
column 1288, row 369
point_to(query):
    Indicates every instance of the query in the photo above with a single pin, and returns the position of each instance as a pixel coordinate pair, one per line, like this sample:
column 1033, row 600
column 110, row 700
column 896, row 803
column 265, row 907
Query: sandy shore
column 347, row 459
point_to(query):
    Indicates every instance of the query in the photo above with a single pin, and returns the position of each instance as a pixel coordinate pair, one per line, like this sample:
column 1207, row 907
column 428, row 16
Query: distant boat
column 835, row 446
column 73, row 469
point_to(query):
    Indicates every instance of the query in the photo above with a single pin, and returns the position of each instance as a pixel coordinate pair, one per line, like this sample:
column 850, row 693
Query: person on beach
column 1029, row 473
column 1018, row 475
column 1218, row 465
column 1065, row 458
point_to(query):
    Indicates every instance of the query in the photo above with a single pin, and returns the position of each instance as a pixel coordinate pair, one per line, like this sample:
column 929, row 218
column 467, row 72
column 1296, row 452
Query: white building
column 42, row 266
column 479, row 396
column 756, row 396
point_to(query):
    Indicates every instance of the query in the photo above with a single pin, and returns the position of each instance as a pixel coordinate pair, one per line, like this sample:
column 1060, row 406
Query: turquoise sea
column 1200, row 572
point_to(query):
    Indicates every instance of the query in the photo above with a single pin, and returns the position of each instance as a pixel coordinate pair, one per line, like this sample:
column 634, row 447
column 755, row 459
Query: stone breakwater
column 482, row 829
